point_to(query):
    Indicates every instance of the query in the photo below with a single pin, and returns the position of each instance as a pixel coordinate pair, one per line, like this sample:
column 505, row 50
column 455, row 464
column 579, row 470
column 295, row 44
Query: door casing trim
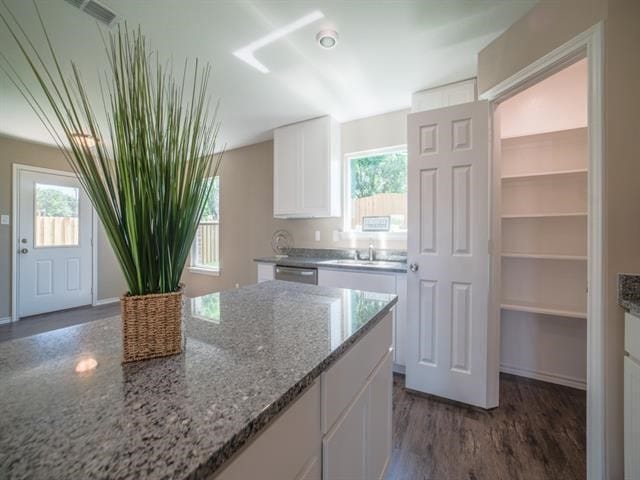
column 590, row 45
column 17, row 168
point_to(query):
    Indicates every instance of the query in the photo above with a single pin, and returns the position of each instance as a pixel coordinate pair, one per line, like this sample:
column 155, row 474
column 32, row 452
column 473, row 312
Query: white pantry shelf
column 544, row 215
column 544, row 256
column 544, row 174
column 558, row 310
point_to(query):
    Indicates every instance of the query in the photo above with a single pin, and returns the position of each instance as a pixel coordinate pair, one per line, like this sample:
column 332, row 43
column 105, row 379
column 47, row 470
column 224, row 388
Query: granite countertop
column 249, row 353
column 629, row 292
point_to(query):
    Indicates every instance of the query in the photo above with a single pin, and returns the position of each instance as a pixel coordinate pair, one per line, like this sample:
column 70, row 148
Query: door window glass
column 56, row 215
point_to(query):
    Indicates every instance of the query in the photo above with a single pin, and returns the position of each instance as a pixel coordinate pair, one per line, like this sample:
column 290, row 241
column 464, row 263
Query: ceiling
column 386, row 51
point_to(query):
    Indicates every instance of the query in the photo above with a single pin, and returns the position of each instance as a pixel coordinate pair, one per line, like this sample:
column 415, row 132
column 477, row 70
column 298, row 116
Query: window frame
column 347, row 232
column 201, row 269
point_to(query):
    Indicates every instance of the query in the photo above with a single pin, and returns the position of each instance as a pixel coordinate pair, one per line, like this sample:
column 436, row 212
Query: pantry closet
column 544, row 196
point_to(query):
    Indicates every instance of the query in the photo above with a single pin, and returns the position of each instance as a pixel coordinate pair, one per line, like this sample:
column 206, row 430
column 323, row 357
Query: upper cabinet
column 306, row 176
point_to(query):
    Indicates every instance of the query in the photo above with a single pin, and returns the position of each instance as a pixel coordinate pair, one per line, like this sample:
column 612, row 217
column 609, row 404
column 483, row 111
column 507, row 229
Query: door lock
column 413, row 267
column 24, row 250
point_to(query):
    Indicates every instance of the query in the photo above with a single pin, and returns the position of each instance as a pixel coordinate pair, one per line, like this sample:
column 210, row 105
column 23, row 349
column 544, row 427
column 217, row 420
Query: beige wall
column 544, row 28
column 110, row 280
column 246, row 218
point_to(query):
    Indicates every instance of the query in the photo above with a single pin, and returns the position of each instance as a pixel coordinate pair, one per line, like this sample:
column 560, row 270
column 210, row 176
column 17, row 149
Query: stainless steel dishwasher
column 297, row 274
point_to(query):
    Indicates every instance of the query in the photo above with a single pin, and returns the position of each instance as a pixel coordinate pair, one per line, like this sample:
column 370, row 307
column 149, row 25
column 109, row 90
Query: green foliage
column 147, row 175
column 211, row 211
column 54, row 202
column 385, row 173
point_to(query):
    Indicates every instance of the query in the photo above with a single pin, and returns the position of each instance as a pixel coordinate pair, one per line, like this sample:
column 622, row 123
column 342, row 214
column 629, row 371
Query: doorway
column 53, row 231
column 587, row 45
column 544, row 218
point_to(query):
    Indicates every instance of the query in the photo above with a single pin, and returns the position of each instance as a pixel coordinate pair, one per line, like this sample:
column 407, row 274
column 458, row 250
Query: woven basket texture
column 151, row 326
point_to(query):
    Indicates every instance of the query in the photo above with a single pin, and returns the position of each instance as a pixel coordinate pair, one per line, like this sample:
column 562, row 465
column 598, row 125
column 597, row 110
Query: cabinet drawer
column 632, row 335
column 341, row 383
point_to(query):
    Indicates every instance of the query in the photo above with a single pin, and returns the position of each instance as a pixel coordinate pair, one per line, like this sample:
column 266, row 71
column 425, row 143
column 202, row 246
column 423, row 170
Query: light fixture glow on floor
column 246, row 53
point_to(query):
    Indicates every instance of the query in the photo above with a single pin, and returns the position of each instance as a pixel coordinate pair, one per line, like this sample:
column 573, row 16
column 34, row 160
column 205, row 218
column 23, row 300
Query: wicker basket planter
column 151, row 326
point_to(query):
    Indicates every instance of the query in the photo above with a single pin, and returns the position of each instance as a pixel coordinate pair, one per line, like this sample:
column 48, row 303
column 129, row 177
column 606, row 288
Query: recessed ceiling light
column 246, row 53
column 327, row 38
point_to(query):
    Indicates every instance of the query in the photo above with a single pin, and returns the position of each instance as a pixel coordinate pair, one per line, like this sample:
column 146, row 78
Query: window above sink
column 376, row 186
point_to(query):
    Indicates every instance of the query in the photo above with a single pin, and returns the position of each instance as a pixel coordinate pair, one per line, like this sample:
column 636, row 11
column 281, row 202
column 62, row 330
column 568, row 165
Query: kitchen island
column 277, row 377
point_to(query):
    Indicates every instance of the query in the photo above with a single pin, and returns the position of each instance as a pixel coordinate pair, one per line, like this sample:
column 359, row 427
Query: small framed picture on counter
column 376, row 224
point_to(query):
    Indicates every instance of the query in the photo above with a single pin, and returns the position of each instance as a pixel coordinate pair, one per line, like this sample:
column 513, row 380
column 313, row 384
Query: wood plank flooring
column 538, row 432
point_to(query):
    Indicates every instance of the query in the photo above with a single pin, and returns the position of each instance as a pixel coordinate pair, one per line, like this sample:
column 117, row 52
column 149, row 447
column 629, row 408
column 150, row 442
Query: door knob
column 24, row 250
column 413, row 267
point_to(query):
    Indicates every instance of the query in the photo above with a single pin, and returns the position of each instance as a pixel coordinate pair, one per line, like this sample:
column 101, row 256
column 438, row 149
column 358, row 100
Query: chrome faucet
column 372, row 251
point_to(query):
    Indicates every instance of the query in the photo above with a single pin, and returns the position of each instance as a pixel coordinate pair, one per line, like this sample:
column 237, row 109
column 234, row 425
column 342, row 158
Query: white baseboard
column 106, row 301
column 5, row 320
column 546, row 377
column 399, row 369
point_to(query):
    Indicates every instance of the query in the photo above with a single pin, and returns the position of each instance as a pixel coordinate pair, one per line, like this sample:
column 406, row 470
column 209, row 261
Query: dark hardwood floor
column 538, row 432
column 28, row 326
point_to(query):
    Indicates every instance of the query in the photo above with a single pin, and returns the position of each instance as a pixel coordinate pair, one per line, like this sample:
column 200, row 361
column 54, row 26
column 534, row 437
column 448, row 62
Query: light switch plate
column 4, row 219
column 317, row 235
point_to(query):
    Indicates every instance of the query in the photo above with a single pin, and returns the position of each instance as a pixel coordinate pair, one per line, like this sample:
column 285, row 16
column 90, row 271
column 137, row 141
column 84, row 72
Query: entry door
column 54, row 243
column 448, row 245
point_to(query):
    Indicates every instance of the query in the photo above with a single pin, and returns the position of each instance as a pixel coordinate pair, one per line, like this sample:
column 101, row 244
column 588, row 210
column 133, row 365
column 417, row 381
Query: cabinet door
column 380, row 415
column 631, row 418
column 314, row 167
column 399, row 332
column 286, row 159
column 344, row 448
column 265, row 272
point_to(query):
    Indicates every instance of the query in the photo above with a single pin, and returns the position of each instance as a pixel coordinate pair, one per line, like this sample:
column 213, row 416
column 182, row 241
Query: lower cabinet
column 289, row 449
column 358, row 446
column 339, row 429
column 265, row 272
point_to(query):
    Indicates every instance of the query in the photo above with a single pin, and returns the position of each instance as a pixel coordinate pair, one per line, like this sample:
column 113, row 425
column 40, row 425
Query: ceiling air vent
column 96, row 10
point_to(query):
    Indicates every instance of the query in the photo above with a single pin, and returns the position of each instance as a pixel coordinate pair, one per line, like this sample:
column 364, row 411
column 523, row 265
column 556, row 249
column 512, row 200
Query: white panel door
column 54, row 243
column 448, row 242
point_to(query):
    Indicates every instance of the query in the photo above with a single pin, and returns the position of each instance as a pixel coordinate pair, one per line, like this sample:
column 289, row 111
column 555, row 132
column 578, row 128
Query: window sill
column 213, row 272
column 375, row 235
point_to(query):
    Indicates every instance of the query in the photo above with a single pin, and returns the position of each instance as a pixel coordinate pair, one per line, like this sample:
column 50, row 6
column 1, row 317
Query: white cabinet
column 340, row 428
column 307, row 173
column 631, row 397
column 359, row 444
column 290, row 448
column 395, row 283
column 265, row 272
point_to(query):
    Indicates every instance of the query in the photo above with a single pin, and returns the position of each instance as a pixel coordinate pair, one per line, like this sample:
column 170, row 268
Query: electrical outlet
column 4, row 219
